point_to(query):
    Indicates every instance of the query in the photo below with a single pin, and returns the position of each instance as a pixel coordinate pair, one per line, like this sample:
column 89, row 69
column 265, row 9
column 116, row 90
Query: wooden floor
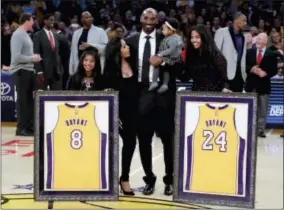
column 17, row 177
column 8, row 124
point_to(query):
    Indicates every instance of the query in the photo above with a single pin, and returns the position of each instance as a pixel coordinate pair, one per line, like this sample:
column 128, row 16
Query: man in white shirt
column 155, row 111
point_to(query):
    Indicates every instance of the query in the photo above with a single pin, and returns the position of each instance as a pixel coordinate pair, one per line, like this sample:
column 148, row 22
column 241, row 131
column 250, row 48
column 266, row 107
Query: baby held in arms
column 169, row 50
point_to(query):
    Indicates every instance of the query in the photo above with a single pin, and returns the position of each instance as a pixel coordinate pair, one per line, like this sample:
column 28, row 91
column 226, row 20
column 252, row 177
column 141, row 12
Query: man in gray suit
column 231, row 41
column 86, row 37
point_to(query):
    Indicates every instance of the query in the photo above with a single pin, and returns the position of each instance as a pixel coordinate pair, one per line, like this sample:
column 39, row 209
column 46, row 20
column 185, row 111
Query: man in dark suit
column 156, row 111
column 261, row 65
column 46, row 44
column 64, row 52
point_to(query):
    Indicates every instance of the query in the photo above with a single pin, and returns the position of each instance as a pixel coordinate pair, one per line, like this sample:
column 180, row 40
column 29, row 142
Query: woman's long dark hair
column 112, row 55
column 205, row 55
column 112, row 69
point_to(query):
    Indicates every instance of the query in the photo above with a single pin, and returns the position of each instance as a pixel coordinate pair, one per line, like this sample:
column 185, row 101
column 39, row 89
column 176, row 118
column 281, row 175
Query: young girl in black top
column 88, row 75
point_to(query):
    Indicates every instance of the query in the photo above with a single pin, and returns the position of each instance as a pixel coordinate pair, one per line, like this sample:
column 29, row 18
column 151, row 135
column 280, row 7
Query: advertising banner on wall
column 275, row 117
column 7, row 98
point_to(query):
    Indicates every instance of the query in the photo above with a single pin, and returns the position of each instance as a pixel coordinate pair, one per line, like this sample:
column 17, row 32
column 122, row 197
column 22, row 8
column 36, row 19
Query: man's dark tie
column 146, row 62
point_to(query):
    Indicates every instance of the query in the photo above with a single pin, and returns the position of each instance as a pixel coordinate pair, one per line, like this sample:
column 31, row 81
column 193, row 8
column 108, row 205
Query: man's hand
column 36, row 58
column 5, row 68
column 258, row 71
column 83, row 46
column 155, row 60
column 262, row 73
column 254, row 70
column 280, row 65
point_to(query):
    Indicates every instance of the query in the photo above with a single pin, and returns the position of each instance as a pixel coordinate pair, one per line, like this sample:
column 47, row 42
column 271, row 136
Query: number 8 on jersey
column 76, row 139
column 76, row 151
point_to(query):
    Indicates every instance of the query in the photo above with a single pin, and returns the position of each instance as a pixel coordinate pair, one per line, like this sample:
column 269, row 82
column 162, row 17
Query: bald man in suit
column 261, row 65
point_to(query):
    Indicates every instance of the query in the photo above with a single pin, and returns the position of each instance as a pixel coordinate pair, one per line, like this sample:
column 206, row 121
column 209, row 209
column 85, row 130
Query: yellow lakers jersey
column 76, row 150
column 215, row 153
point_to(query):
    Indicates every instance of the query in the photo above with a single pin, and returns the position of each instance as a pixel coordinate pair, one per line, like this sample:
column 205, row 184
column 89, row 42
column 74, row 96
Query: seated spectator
column 29, row 7
column 248, row 36
column 120, row 30
column 5, row 47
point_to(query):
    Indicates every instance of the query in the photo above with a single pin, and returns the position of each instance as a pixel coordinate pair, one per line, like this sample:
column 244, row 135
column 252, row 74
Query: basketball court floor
column 17, row 178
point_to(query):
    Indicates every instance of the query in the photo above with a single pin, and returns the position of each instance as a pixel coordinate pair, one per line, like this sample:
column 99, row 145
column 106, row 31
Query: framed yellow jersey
column 215, row 140
column 76, row 150
column 76, row 146
column 215, row 147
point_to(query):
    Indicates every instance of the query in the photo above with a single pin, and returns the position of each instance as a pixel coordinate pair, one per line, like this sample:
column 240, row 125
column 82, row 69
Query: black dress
column 127, row 88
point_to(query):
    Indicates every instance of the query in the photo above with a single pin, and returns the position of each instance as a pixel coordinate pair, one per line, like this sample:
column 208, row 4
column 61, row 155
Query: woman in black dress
column 88, row 74
column 118, row 75
column 205, row 64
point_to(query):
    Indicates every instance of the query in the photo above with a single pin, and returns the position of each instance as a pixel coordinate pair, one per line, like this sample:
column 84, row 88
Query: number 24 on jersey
column 210, row 139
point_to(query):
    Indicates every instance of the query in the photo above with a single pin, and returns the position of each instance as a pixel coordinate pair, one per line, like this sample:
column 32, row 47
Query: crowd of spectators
column 121, row 17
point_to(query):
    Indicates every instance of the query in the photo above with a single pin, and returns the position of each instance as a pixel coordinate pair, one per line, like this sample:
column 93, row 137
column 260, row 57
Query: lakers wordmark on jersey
column 215, row 153
column 76, row 151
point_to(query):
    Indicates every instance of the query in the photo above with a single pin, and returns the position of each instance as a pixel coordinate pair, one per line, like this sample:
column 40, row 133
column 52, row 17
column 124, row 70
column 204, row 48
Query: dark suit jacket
column 133, row 43
column 64, row 51
column 50, row 64
column 268, row 64
column 6, row 50
column 147, row 99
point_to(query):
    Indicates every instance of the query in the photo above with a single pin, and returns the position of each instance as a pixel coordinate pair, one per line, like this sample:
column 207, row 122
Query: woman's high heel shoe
column 130, row 193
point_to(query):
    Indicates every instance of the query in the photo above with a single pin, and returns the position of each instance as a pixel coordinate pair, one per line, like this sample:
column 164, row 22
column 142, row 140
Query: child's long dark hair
column 94, row 53
column 81, row 73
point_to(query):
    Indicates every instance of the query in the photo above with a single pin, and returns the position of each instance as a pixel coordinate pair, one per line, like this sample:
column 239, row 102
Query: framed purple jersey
column 215, row 140
column 76, row 150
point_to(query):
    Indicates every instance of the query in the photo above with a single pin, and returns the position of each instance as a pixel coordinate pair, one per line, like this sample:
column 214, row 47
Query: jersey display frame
column 215, row 148
column 76, row 146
